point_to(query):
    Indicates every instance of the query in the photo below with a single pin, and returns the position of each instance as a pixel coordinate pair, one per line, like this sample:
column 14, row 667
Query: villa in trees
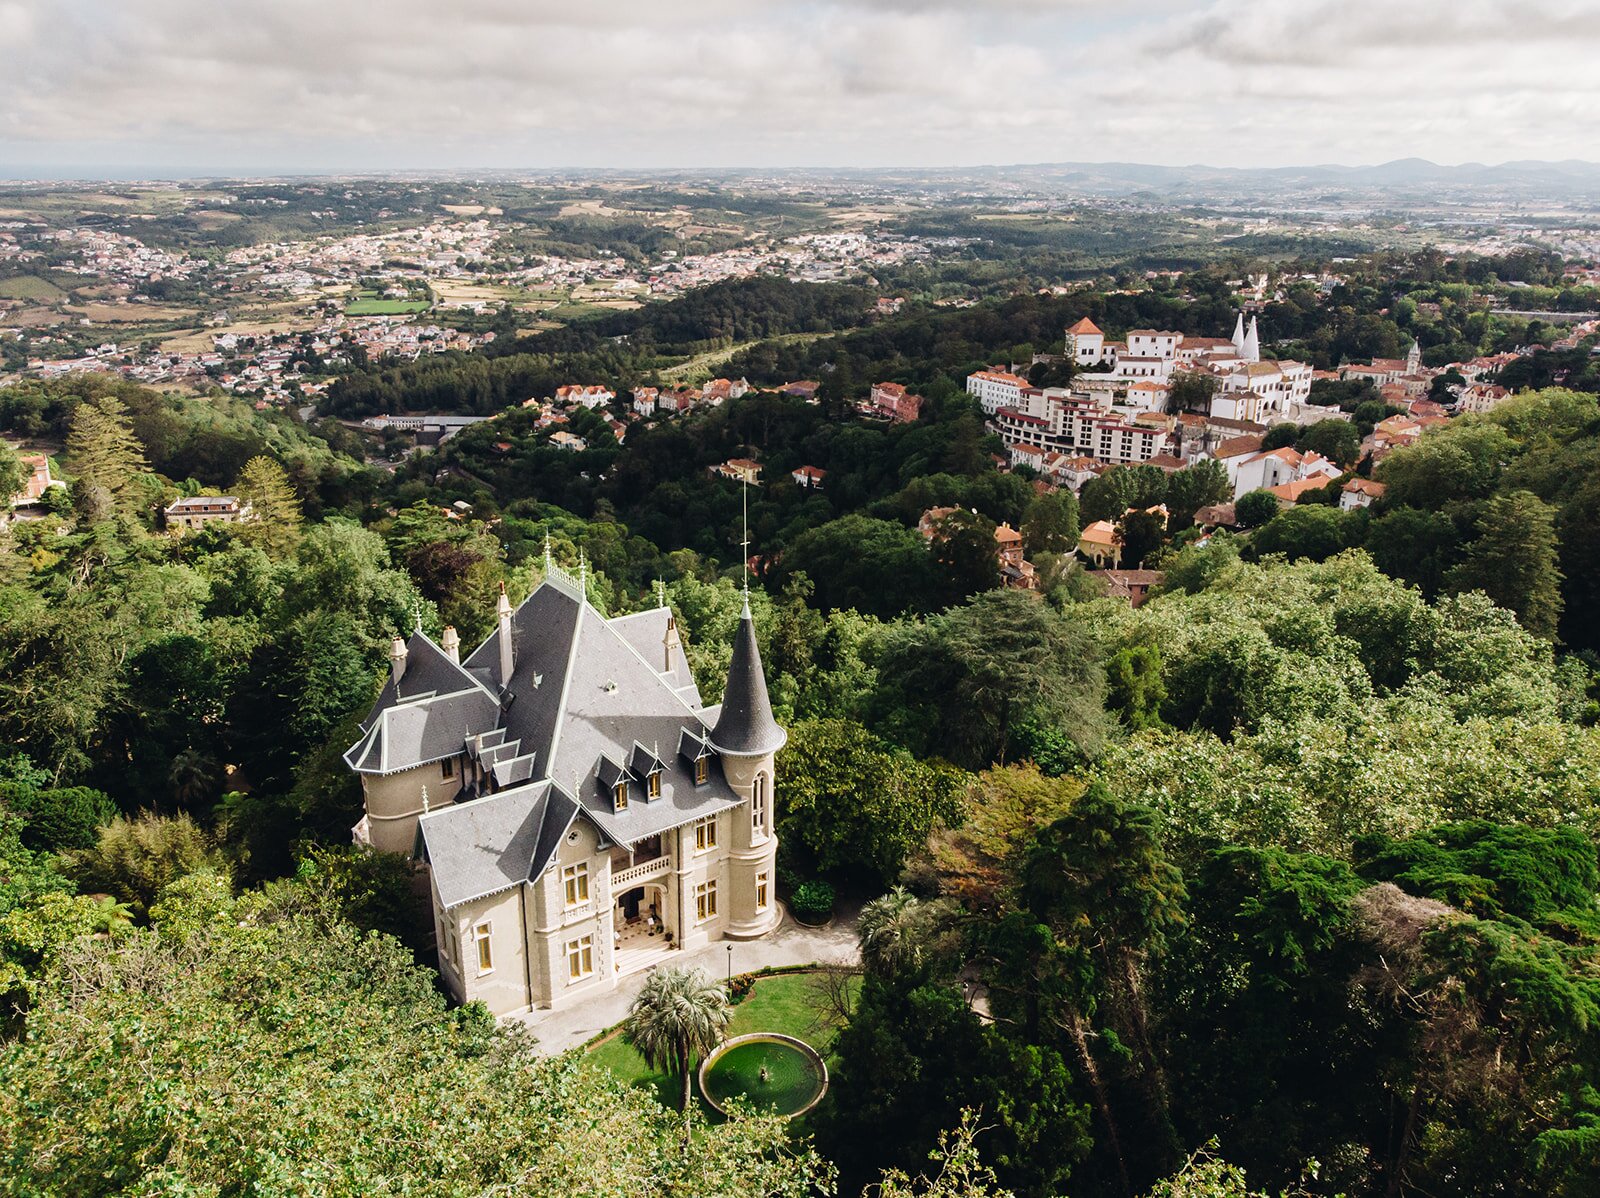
column 582, row 816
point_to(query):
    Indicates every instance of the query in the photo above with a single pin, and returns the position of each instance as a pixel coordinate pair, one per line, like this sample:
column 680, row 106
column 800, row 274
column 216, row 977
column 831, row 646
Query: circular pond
column 773, row 1073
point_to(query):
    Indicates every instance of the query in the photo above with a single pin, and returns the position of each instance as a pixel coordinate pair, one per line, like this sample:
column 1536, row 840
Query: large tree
column 275, row 507
column 102, row 448
column 959, row 684
column 1514, row 560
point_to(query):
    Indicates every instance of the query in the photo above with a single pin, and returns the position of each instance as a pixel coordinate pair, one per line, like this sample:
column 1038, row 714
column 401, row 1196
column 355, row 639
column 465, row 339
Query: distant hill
column 1528, row 178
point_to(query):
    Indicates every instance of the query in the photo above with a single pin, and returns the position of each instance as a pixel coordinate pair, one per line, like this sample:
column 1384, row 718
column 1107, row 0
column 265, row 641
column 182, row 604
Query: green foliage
column 1514, row 560
column 13, row 475
column 135, row 859
column 856, row 804
column 1546, row 876
column 1255, row 508
column 103, row 451
column 812, row 901
column 303, row 1024
column 275, row 508
column 912, row 1057
column 1050, row 524
column 1301, row 532
column 958, row 684
column 59, row 818
column 1134, row 688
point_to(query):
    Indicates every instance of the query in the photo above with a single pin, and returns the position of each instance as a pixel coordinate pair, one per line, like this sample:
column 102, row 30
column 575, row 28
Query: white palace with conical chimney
column 581, row 814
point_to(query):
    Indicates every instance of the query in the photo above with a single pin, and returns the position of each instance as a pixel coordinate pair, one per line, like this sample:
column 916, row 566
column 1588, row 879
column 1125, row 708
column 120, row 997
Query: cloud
column 398, row 83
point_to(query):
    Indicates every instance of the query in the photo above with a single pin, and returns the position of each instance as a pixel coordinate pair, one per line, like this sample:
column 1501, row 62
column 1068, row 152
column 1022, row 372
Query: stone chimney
column 397, row 660
column 504, row 610
column 669, row 643
column 451, row 644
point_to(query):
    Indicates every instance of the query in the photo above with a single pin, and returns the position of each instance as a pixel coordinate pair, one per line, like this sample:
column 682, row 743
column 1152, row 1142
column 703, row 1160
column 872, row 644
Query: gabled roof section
column 644, row 761
column 492, row 844
column 413, row 732
column 646, row 631
column 543, row 639
column 428, row 669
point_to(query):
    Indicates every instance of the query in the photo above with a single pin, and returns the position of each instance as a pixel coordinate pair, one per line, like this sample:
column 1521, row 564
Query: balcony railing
column 624, row 879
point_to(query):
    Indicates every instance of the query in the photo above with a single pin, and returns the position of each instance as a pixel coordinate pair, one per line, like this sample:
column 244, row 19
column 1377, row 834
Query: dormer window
column 645, row 764
column 619, row 795
column 702, row 770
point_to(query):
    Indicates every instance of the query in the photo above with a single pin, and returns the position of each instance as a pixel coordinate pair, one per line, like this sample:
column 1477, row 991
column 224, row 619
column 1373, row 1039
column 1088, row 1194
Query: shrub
column 134, row 860
column 59, row 819
column 739, row 989
column 812, row 902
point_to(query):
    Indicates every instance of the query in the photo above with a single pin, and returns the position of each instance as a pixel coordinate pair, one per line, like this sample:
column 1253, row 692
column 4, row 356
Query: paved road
column 791, row 944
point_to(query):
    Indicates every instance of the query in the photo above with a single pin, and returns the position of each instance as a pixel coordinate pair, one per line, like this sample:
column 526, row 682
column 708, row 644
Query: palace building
column 581, row 814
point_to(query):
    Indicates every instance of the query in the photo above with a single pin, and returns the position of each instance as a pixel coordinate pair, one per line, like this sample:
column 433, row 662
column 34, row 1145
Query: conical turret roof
column 745, row 727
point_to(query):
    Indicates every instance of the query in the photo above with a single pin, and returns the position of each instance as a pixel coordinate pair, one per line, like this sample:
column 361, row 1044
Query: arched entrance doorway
column 644, row 932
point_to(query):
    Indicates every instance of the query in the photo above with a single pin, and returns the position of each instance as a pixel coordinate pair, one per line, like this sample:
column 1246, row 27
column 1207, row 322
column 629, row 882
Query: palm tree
column 894, row 932
column 680, row 1014
column 192, row 776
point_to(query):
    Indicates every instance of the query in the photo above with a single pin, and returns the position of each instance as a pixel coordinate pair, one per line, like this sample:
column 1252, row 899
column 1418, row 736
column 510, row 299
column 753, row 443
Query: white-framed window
column 580, row 958
column 575, row 878
column 763, row 890
column 619, row 792
column 705, row 834
column 702, row 770
column 705, row 901
column 483, row 937
column 758, row 807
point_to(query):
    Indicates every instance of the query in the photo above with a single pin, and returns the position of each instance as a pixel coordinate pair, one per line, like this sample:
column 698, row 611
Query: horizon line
column 152, row 173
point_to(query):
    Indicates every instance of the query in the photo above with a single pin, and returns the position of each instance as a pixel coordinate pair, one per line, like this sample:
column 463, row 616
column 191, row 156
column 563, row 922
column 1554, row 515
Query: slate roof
column 416, row 731
column 494, row 843
column 587, row 698
column 646, row 631
column 745, row 725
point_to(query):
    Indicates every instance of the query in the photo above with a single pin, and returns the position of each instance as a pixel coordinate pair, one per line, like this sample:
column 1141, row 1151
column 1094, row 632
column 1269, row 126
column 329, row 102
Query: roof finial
column 547, row 551
column 583, row 575
column 416, row 613
column 661, row 593
column 744, row 545
column 424, row 800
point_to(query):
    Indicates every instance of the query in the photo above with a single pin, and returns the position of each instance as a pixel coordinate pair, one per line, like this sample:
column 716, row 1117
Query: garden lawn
column 785, row 1002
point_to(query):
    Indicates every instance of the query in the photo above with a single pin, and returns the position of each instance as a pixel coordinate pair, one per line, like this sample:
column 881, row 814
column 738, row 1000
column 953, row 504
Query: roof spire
column 745, row 727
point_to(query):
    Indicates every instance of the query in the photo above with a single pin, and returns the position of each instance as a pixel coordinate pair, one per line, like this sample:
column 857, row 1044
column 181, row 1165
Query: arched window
column 758, row 807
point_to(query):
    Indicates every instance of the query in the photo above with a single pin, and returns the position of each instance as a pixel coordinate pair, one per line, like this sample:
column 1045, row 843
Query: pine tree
column 102, row 448
column 275, row 508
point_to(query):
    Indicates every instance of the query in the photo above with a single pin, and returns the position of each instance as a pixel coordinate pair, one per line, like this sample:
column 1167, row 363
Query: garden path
column 791, row 944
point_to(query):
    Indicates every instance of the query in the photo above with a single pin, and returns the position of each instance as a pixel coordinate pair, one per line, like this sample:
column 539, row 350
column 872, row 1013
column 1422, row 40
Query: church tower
column 1414, row 358
column 748, row 739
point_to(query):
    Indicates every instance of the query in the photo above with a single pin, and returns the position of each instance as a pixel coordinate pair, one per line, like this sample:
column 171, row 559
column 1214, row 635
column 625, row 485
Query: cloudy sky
column 264, row 85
